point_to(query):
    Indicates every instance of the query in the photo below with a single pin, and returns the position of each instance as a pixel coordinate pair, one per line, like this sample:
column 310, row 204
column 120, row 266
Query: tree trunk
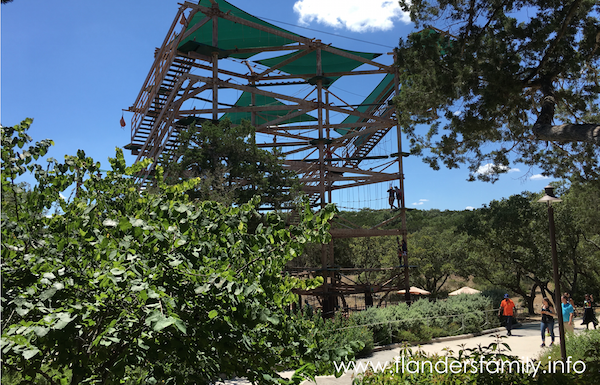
column 531, row 299
column 543, row 128
column 589, row 133
column 546, row 292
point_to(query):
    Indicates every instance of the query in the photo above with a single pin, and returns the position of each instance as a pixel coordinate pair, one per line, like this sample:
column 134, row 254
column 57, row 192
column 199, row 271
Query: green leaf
column 29, row 353
column 141, row 344
column 49, row 275
column 48, row 293
column 212, row 314
column 41, row 331
column 180, row 325
column 163, row 322
column 63, row 320
column 124, row 224
column 109, row 222
column 203, row 289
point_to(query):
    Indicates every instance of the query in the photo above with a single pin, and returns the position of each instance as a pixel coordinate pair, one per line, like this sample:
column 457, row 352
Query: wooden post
column 215, row 64
column 402, row 194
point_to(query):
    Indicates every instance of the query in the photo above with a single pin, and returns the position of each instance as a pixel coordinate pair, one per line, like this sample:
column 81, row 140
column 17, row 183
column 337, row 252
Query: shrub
column 584, row 346
column 424, row 320
column 119, row 280
column 377, row 322
column 426, row 375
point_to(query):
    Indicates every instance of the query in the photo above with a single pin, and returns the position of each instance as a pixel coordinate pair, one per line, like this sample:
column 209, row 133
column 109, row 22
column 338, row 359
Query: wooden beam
column 195, row 55
column 196, row 26
column 328, row 74
column 293, row 58
column 245, row 109
column 258, row 91
column 348, row 55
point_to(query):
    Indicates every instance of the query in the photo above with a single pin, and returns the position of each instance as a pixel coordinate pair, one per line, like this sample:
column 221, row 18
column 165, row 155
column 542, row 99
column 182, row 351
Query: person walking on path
column 572, row 302
column 506, row 310
column 588, row 312
column 547, row 321
column 567, row 313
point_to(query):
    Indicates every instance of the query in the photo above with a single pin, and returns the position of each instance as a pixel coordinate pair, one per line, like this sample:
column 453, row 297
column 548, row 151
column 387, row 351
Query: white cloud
column 539, row 176
column 355, row 15
column 470, row 208
column 489, row 169
column 420, row 202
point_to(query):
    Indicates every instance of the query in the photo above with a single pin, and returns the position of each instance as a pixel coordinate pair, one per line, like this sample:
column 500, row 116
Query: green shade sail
column 371, row 102
column 330, row 62
column 231, row 36
column 263, row 117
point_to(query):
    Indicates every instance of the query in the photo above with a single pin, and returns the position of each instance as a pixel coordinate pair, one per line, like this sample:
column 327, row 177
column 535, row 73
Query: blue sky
column 73, row 66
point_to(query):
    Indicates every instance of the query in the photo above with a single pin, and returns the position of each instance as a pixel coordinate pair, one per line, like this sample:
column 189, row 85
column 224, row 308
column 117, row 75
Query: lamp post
column 549, row 198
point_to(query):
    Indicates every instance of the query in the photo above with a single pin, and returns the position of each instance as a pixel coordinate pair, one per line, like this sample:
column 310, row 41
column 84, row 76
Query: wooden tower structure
column 240, row 67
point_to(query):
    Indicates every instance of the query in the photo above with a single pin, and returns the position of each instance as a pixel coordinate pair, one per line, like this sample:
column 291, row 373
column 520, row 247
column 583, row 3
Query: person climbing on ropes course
column 398, row 196
column 392, row 197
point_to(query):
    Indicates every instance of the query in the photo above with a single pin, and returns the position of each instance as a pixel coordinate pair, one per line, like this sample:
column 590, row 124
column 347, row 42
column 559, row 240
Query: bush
column 117, row 281
column 334, row 340
column 584, row 346
column 379, row 321
column 426, row 375
column 424, row 320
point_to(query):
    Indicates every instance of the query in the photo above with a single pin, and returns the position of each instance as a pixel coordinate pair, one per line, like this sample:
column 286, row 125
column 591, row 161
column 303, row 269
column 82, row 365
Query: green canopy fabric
column 231, row 35
column 330, row 62
column 264, row 116
column 371, row 102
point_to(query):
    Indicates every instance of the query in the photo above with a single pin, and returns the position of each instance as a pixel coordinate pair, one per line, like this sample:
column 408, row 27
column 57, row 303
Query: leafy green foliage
column 511, row 235
column 584, row 346
column 336, row 339
column 424, row 320
column 438, row 252
column 118, row 280
column 451, row 369
column 233, row 169
column 486, row 76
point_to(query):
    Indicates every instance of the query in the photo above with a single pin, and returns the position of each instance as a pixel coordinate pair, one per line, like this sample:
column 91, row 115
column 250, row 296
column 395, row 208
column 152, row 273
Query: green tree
column 508, row 243
column 437, row 254
column 578, row 238
column 497, row 81
column 119, row 282
column 232, row 168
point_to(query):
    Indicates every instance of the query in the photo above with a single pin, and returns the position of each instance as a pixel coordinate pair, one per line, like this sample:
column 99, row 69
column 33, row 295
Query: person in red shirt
column 506, row 309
